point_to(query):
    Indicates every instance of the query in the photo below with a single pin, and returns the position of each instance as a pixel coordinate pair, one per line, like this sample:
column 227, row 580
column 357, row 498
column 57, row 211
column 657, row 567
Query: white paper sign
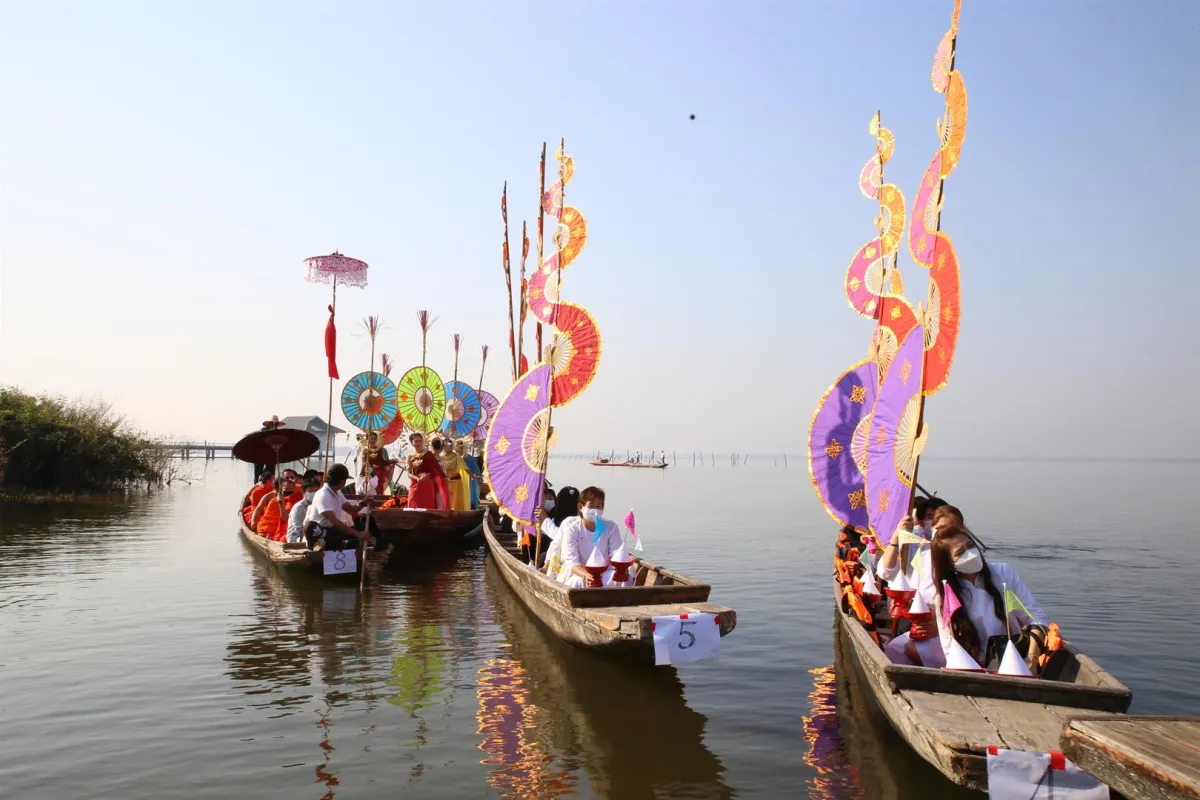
column 1020, row 775
column 686, row 638
column 339, row 562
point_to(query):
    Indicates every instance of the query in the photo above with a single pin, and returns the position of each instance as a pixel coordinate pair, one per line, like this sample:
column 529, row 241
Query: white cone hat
column 919, row 606
column 869, row 586
column 1012, row 663
column 596, row 560
column 901, row 584
column 622, row 555
column 960, row 659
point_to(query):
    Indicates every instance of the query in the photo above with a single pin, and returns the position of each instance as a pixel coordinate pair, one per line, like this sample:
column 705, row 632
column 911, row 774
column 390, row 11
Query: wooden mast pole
column 562, row 148
column 937, row 229
column 512, row 347
column 329, row 418
column 540, row 227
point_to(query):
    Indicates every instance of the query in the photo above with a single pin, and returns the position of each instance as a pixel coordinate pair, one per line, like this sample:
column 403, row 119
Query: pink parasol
column 335, row 267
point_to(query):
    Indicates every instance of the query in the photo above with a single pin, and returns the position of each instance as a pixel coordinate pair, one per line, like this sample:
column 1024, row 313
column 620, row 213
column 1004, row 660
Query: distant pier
column 205, row 450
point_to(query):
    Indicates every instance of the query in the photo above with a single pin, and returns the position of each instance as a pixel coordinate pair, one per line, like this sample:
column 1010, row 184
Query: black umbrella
column 279, row 446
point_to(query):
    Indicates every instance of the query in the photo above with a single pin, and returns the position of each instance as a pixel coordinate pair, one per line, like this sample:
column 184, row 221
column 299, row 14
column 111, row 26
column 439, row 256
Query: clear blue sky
column 166, row 167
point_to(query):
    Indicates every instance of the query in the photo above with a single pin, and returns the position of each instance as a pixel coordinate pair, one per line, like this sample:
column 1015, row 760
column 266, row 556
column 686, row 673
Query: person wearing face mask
column 561, row 508
column 295, row 528
column 580, row 535
column 529, row 548
column 895, row 556
column 979, row 586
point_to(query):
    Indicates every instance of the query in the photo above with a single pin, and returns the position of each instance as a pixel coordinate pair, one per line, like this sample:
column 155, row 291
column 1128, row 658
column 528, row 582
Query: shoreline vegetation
column 54, row 449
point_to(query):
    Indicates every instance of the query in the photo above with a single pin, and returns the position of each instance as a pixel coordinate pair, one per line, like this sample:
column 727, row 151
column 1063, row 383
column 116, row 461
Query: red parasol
column 574, row 354
column 276, row 446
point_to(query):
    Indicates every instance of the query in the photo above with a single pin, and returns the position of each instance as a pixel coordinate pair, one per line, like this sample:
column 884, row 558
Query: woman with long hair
column 959, row 566
column 552, row 516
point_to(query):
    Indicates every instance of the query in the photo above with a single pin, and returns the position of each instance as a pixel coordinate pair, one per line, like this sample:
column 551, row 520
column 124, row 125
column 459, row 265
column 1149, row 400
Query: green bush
column 50, row 444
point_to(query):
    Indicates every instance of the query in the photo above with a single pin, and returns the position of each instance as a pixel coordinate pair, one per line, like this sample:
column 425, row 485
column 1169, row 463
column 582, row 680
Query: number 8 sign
column 686, row 638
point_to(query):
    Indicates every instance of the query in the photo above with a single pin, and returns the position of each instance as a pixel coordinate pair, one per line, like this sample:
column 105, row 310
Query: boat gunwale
column 556, row 596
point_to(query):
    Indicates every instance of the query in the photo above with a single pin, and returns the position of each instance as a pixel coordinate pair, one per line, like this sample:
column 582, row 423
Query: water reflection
column 853, row 747
column 629, row 728
column 79, row 540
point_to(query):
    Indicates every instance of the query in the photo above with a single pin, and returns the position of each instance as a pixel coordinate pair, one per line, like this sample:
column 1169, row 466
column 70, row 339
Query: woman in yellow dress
column 459, row 477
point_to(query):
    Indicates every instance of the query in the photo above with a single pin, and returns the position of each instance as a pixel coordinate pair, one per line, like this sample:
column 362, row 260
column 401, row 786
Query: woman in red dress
column 427, row 480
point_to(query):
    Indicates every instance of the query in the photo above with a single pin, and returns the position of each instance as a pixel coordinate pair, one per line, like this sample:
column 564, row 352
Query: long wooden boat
column 426, row 528
column 614, row 620
column 603, row 462
column 951, row 718
column 289, row 557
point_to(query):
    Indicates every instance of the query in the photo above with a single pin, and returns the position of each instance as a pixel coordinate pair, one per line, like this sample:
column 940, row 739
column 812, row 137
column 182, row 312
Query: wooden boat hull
column 581, row 616
column 412, row 529
column 950, row 718
column 289, row 559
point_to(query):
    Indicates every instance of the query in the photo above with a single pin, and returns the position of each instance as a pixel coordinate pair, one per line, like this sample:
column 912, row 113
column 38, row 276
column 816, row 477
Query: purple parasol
column 894, row 441
column 487, row 406
column 837, row 441
column 515, row 463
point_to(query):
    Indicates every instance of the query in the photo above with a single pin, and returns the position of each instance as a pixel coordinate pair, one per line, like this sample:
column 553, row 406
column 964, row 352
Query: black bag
column 997, row 644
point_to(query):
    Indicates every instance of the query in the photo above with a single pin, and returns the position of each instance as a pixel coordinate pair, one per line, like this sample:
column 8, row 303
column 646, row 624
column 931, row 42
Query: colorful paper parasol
column 574, row 352
column 276, row 446
column 894, row 441
column 462, row 410
column 927, row 207
column 571, row 236
column 488, row 403
column 515, row 463
column 422, row 399
column 543, row 293
column 335, row 266
column 392, row 431
column 369, row 401
column 841, row 419
column 943, row 316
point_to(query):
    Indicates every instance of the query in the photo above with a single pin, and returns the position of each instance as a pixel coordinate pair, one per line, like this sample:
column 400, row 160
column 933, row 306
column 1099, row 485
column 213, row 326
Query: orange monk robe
column 256, row 494
column 271, row 524
column 295, row 497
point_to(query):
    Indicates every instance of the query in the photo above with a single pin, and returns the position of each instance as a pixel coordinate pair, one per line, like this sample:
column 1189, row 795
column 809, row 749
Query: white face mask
column 591, row 514
column 970, row 562
column 309, row 496
column 548, row 505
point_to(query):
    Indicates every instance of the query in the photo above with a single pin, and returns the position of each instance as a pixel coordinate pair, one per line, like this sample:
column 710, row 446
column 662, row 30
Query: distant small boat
column 604, row 462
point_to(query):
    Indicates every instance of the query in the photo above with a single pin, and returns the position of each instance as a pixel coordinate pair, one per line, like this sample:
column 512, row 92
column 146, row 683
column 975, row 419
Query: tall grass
column 56, row 445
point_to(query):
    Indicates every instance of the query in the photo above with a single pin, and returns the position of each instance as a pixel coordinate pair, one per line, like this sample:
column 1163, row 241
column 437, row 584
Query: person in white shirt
column 299, row 512
column 579, row 534
column 979, row 586
column 562, row 508
column 333, row 515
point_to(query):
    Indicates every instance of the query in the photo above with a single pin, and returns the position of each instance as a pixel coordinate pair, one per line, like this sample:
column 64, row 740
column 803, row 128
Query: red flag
column 524, row 364
column 331, row 345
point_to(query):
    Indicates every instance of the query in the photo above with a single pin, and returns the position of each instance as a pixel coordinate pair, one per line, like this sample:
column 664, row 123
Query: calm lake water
column 145, row 651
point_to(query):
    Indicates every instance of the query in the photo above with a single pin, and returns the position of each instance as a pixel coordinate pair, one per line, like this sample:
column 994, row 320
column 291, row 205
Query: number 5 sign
column 686, row 638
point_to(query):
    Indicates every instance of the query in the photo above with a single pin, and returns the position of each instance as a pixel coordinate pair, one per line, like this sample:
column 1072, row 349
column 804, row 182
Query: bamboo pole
column 512, row 346
column 329, row 418
column 540, row 226
column 537, row 551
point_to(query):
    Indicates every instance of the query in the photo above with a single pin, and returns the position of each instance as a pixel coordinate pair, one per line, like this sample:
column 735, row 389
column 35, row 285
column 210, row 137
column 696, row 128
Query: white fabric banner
column 339, row 562
column 1020, row 775
column 686, row 638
